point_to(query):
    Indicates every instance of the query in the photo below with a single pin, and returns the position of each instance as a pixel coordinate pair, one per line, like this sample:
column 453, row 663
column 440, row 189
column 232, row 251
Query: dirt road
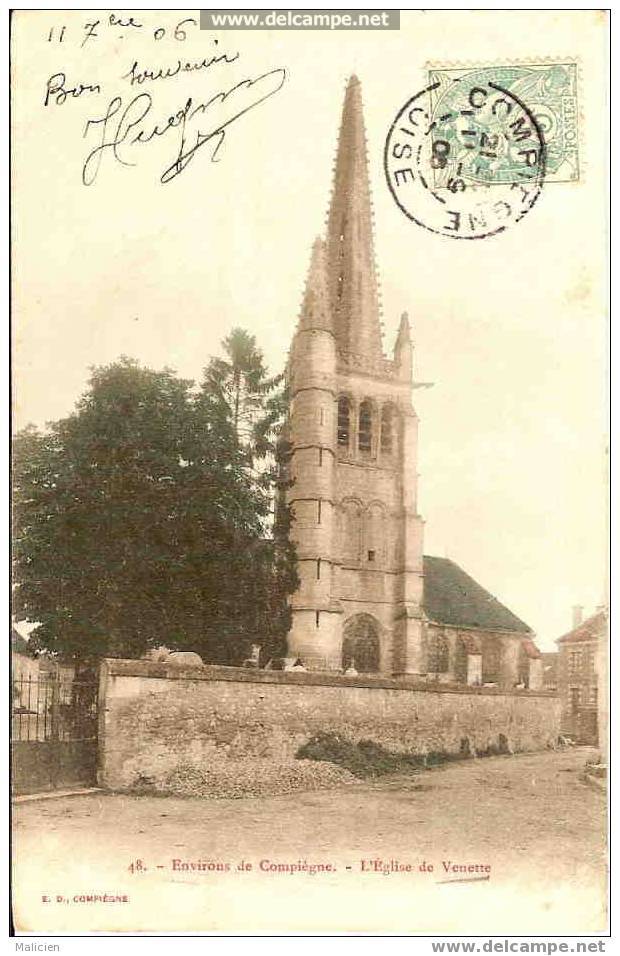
column 498, row 845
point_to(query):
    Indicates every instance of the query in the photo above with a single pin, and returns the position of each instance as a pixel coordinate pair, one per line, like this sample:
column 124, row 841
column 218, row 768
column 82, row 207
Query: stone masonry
column 155, row 717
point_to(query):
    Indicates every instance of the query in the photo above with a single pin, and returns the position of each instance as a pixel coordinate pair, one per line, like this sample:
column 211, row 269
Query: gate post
column 104, row 672
column 54, row 737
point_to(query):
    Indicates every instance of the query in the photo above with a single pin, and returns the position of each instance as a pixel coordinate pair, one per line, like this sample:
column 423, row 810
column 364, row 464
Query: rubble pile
column 252, row 777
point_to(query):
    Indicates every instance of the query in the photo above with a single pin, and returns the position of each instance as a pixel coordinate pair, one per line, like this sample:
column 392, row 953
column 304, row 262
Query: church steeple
column 353, row 448
column 351, row 268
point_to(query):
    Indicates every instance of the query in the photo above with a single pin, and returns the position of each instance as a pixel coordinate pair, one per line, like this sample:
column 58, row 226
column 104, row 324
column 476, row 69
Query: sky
column 510, row 329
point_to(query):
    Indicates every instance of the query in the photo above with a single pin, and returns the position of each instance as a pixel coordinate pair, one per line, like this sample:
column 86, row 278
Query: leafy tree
column 138, row 522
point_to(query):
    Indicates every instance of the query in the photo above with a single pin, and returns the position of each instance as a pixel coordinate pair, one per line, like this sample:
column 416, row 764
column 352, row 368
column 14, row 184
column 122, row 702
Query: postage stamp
column 468, row 161
column 549, row 90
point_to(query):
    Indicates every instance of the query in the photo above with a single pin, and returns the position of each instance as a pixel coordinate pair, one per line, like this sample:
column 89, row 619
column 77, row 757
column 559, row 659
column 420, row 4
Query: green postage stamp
column 547, row 90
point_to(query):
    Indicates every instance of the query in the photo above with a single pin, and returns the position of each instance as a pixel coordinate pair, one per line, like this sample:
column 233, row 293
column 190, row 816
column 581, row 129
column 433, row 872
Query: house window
column 320, row 457
column 371, row 556
column 318, row 569
column 344, row 421
column 575, row 661
column 316, row 619
column 365, row 427
column 318, row 512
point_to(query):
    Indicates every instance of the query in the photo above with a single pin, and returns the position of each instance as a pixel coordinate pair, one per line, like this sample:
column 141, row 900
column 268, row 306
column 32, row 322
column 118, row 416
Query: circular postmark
column 466, row 161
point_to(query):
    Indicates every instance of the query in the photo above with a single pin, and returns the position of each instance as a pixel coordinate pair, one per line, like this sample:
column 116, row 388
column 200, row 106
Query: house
column 24, row 664
column 579, row 670
column 32, row 676
column 24, row 674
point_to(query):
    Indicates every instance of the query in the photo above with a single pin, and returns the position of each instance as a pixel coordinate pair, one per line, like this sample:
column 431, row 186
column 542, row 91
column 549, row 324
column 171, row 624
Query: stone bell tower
column 353, row 432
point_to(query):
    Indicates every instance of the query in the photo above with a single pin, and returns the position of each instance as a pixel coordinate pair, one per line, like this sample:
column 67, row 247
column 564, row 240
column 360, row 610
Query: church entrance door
column 360, row 645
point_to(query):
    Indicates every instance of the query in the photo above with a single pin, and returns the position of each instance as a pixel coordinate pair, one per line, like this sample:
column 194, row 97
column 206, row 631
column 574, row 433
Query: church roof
column 452, row 597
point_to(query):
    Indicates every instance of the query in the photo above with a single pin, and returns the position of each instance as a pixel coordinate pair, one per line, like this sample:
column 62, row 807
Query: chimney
column 577, row 615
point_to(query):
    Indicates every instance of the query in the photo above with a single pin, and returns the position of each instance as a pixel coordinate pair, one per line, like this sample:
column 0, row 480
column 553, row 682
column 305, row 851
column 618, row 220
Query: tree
column 253, row 407
column 252, row 402
column 137, row 522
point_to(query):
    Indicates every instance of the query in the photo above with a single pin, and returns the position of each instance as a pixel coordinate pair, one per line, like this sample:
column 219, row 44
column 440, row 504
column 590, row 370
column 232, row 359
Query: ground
column 531, row 818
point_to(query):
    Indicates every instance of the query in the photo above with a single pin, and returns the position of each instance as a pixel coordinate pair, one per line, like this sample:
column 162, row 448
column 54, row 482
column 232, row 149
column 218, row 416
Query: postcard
column 310, row 599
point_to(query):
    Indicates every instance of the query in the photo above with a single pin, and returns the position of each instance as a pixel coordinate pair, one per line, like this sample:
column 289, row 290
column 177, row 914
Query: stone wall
column 155, row 717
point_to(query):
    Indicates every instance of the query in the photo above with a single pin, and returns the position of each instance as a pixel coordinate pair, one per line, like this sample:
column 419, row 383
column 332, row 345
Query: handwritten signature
column 124, row 126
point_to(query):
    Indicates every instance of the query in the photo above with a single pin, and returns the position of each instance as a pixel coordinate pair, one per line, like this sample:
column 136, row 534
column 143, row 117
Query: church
column 368, row 597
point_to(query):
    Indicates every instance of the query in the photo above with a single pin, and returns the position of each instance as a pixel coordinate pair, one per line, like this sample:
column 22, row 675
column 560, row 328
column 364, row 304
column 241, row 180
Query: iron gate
column 53, row 733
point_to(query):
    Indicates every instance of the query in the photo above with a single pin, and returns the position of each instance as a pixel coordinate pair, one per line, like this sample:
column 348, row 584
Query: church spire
column 315, row 311
column 403, row 349
column 351, row 269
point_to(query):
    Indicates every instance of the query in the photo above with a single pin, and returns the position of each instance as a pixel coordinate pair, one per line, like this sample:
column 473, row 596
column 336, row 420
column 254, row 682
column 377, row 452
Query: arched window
column 364, row 435
column 491, row 655
column 438, row 653
column 344, row 421
column 387, row 430
column 523, row 667
column 460, row 661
